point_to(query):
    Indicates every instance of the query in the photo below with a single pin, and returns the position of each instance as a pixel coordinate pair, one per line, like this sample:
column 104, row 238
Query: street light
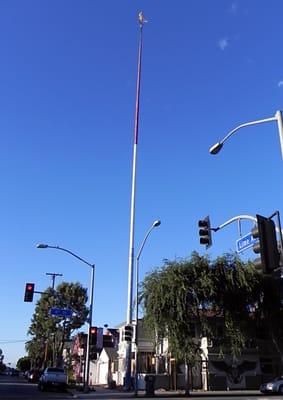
column 86, row 370
column 278, row 117
column 154, row 225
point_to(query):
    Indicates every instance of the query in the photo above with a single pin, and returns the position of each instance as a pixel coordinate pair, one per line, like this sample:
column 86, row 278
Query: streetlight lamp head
column 42, row 246
column 156, row 223
column 216, row 148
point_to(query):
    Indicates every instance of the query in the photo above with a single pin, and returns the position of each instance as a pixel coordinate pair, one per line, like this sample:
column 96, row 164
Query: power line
column 5, row 341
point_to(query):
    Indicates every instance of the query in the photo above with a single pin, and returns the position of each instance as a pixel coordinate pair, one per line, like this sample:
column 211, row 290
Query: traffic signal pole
column 206, row 229
column 238, row 218
column 267, row 245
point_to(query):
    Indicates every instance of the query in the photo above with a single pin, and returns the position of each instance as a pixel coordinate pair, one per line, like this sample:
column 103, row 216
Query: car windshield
column 55, row 370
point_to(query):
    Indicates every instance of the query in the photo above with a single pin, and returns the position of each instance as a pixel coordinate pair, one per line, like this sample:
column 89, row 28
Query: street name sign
column 245, row 242
column 61, row 312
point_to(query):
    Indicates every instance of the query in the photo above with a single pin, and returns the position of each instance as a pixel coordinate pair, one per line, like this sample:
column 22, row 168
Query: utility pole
column 54, row 275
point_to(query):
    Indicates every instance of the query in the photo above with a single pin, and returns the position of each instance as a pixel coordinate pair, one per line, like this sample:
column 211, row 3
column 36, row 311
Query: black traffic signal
column 93, row 335
column 205, row 232
column 266, row 245
column 128, row 333
column 29, row 292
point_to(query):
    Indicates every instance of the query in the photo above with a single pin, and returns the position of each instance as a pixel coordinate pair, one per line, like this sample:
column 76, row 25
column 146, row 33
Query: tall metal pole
column 137, row 327
column 154, row 225
column 86, row 380
column 278, row 116
column 132, row 212
column 87, row 361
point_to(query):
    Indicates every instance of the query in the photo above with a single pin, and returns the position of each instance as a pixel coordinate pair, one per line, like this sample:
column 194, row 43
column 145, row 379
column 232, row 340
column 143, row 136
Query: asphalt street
column 17, row 388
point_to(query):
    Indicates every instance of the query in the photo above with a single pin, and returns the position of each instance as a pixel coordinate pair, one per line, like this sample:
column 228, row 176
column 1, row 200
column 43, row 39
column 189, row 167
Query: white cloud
column 280, row 83
column 223, row 43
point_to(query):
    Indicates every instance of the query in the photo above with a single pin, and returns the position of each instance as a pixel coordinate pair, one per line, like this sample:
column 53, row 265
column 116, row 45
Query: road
column 16, row 388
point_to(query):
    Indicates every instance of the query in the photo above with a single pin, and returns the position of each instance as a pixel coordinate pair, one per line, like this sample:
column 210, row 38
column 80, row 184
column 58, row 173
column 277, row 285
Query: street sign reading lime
column 61, row 312
column 245, row 242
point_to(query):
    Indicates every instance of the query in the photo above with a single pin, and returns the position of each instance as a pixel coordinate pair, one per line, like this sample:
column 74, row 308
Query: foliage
column 49, row 333
column 24, row 364
column 237, row 289
column 182, row 298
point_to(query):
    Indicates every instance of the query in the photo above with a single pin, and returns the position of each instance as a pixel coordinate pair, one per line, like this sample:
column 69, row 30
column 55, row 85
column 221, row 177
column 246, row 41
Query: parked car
column 53, row 377
column 274, row 386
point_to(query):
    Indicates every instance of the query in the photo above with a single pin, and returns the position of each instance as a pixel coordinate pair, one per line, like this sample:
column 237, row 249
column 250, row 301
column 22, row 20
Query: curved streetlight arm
column 154, row 225
column 47, row 246
column 278, row 117
column 260, row 121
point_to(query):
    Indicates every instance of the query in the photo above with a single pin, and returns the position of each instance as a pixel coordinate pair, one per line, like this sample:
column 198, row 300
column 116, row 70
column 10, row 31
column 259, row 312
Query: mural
column 235, row 370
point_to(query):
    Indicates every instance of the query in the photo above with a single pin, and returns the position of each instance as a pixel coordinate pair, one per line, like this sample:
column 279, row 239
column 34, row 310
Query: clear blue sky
column 68, row 80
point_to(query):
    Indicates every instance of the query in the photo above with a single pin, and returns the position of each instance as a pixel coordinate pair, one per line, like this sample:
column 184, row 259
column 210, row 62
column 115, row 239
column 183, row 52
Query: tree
column 50, row 333
column 24, row 364
column 237, row 289
column 174, row 298
column 184, row 295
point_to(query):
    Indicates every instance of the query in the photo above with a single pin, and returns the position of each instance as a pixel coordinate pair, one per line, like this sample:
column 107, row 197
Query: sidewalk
column 104, row 393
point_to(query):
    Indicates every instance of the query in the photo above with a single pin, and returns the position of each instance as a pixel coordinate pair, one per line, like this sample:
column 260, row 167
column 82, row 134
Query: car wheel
column 280, row 390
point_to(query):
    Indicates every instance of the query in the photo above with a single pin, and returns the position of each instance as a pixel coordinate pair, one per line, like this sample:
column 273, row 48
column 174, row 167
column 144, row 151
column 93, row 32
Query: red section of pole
column 137, row 111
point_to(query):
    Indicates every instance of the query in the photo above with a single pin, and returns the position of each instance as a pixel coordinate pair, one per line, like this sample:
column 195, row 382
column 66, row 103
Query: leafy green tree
column 182, row 296
column 237, row 290
column 49, row 334
column 24, row 364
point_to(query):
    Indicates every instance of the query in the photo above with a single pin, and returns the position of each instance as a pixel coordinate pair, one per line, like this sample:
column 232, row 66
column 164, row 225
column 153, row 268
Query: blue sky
column 68, row 81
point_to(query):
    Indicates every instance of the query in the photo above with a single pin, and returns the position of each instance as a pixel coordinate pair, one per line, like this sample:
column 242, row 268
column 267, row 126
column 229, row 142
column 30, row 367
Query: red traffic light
column 29, row 291
column 93, row 335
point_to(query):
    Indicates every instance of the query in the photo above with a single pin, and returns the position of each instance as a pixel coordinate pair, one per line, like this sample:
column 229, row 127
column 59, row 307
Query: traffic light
column 29, row 292
column 93, row 336
column 205, row 232
column 266, row 245
column 128, row 333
